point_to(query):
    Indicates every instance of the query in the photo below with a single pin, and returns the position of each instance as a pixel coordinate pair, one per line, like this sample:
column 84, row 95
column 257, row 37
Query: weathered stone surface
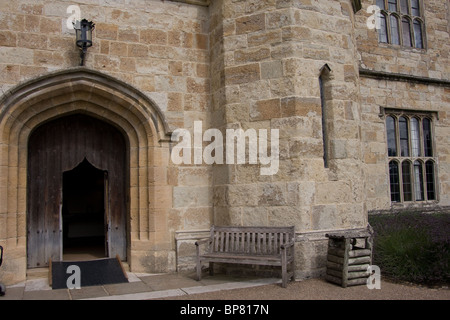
column 242, row 74
column 250, row 23
column 265, row 110
column 231, row 64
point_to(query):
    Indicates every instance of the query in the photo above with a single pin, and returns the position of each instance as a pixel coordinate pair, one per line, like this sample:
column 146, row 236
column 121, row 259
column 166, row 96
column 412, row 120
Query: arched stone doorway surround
column 80, row 90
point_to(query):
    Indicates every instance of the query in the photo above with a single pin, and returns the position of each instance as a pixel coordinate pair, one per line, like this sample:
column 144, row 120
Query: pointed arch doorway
column 149, row 197
column 77, row 182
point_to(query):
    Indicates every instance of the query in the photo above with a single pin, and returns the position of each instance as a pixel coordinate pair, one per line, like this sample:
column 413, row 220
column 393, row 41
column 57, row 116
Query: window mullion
column 410, row 136
column 413, row 182
column 400, row 29
column 421, row 137
column 433, row 143
column 388, row 28
column 424, row 181
column 400, row 180
column 397, row 137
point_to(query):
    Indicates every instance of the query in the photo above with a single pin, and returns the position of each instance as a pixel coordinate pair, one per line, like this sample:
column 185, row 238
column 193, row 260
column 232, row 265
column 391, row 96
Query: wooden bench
column 269, row 246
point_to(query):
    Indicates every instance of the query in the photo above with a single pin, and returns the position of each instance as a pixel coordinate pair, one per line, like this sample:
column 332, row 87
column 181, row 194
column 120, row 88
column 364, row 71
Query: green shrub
column 413, row 247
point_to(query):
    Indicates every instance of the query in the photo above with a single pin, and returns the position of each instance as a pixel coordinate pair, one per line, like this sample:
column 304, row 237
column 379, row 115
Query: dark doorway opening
column 83, row 213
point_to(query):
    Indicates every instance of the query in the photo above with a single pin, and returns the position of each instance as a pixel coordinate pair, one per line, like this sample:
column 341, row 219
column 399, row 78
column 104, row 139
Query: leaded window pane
column 391, row 137
column 406, row 180
column 418, row 181
column 380, row 3
column 406, row 31
column 382, row 32
column 404, row 6
column 427, row 143
column 404, row 145
column 415, row 8
column 429, row 172
column 394, row 181
column 415, row 137
column 418, row 39
column 395, row 38
column 392, row 5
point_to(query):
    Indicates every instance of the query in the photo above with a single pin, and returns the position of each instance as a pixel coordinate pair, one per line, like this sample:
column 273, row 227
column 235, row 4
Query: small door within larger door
column 84, row 214
column 106, row 213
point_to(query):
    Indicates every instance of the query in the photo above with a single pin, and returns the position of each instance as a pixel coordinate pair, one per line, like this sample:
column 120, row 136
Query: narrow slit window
column 324, row 123
column 323, row 83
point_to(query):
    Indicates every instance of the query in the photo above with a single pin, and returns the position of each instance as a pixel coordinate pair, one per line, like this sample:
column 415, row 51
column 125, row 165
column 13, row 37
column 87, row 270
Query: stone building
column 359, row 114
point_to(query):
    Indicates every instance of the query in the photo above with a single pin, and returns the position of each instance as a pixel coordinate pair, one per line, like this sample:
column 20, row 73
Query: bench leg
column 284, row 278
column 199, row 270
column 211, row 268
column 284, row 275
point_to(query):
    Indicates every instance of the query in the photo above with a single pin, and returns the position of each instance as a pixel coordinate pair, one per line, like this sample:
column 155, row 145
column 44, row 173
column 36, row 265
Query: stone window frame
column 401, row 18
column 406, row 192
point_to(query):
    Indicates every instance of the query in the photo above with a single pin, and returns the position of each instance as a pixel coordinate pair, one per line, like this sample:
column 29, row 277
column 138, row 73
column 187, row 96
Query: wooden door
column 107, row 214
column 59, row 146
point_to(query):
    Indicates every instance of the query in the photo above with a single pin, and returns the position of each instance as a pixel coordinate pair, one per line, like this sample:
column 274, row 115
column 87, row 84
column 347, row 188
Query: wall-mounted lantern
column 83, row 31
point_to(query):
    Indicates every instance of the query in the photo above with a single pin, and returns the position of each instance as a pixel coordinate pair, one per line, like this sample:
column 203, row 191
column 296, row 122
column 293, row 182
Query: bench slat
column 217, row 241
column 240, row 256
column 275, row 238
column 249, row 242
column 253, row 243
column 227, row 241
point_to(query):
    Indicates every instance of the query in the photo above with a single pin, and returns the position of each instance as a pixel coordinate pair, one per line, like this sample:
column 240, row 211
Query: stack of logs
column 349, row 258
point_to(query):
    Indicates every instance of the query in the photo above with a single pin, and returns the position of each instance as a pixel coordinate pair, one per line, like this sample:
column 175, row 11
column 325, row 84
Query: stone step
column 37, row 273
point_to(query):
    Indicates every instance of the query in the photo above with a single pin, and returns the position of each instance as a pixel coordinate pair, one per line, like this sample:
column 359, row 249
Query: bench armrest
column 202, row 241
column 197, row 249
column 285, row 246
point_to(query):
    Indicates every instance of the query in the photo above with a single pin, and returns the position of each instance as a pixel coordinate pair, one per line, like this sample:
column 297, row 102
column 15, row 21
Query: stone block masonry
column 156, row 67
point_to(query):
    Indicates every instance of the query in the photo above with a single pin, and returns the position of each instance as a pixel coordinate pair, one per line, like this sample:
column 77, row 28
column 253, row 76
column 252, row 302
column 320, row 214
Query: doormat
column 73, row 274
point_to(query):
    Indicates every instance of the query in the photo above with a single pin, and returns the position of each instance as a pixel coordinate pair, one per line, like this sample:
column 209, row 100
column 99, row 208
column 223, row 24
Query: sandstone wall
column 423, row 86
column 230, row 64
column 160, row 49
column 266, row 59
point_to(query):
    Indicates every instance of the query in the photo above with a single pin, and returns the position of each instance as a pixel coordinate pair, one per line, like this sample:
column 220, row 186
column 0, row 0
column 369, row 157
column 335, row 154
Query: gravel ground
column 319, row 289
